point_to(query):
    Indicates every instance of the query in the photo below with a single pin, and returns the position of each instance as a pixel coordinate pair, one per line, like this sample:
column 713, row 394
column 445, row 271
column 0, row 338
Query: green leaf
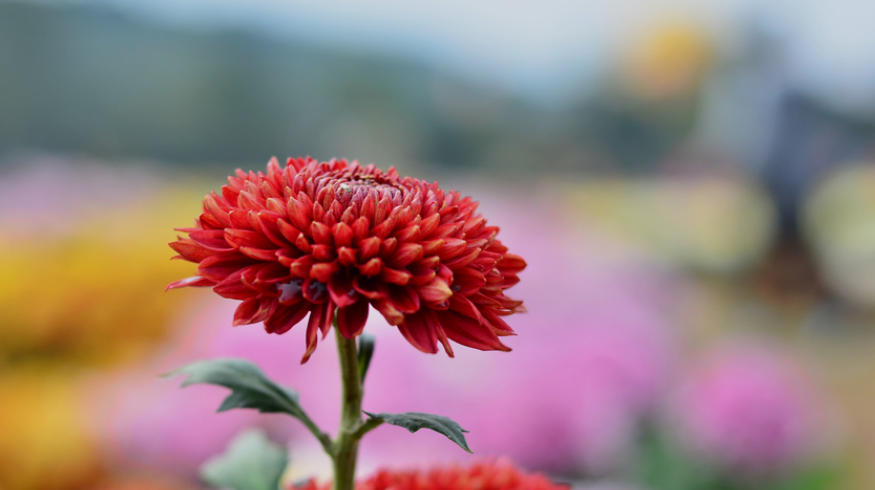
column 252, row 462
column 250, row 388
column 413, row 421
column 366, row 352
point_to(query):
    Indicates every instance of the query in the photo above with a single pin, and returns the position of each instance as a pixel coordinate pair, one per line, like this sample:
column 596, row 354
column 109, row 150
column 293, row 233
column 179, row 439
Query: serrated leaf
column 249, row 386
column 413, row 421
column 251, row 462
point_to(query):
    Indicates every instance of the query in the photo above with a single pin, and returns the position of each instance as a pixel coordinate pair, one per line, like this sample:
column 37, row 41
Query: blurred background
column 691, row 183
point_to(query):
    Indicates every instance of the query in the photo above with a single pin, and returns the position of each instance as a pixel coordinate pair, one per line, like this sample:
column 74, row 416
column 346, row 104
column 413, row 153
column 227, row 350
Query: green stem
column 346, row 445
column 323, row 438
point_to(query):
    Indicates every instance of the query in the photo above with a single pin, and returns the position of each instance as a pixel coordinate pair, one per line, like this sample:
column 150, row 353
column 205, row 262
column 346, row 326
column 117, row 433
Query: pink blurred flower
column 749, row 410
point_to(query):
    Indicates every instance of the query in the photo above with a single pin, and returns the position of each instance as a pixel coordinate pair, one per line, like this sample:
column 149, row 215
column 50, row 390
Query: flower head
column 749, row 410
column 329, row 237
column 490, row 475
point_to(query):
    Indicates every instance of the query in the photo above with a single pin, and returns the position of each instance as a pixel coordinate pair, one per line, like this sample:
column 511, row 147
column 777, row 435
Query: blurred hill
column 87, row 79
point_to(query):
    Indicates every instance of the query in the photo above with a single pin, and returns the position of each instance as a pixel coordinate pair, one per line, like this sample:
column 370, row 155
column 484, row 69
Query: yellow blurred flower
column 44, row 443
column 94, row 295
column 668, row 61
column 717, row 225
column 839, row 222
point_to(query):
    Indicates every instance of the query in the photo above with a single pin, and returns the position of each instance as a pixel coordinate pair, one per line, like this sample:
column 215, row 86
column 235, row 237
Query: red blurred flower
column 493, row 475
column 323, row 237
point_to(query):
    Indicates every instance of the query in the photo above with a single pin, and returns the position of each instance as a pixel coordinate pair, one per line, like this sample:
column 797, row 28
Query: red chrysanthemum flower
column 323, row 237
column 491, row 475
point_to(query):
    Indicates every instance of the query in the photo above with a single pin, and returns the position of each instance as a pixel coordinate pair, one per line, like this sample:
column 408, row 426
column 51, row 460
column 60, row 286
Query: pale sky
column 544, row 48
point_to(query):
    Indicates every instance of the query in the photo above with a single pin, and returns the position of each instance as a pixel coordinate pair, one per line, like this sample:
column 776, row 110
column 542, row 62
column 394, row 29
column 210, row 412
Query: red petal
column 499, row 325
column 301, row 266
column 428, row 225
column 464, row 260
column 360, row 227
column 240, row 219
column 445, row 342
column 213, row 240
column 299, row 214
column 212, row 207
column 432, row 262
column 419, row 329
column 408, row 234
column 511, row 263
column 473, row 226
column 351, row 319
column 367, row 209
column 232, row 287
column 395, row 276
column 383, row 229
column 209, row 222
column 288, row 231
column 483, row 300
column 276, row 205
column 194, row 282
column 324, row 253
column 432, row 246
column 451, row 248
column 315, row 291
column 405, row 255
column 447, row 230
column 303, row 244
column 467, row 281
column 320, row 319
column 218, row 267
column 421, row 275
column 250, row 311
column 346, row 256
column 343, row 235
column 267, row 223
column 323, row 271
column 341, row 291
column 382, row 210
column 464, row 306
column 389, row 312
column 321, row 233
column 283, row 318
column 249, row 200
column 469, row 332
column 189, row 250
column 372, row 267
column 273, row 273
column 387, row 246
column 259, row 254
column 404, row 299
column 369, row 288
column 247, row 238
column 369, row 247
column 436, row 291
column 508, row 282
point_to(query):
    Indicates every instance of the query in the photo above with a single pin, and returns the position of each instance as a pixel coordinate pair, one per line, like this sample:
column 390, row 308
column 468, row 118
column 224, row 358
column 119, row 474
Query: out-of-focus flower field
column 625, row 367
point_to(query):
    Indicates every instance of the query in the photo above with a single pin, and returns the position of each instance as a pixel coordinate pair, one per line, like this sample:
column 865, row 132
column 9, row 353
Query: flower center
column 356, row 190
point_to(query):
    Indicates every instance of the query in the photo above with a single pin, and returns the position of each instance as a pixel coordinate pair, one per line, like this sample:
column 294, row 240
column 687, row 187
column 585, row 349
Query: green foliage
column 661, row 465
column 250, row 388
column 413, row 421
column 252, row 462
